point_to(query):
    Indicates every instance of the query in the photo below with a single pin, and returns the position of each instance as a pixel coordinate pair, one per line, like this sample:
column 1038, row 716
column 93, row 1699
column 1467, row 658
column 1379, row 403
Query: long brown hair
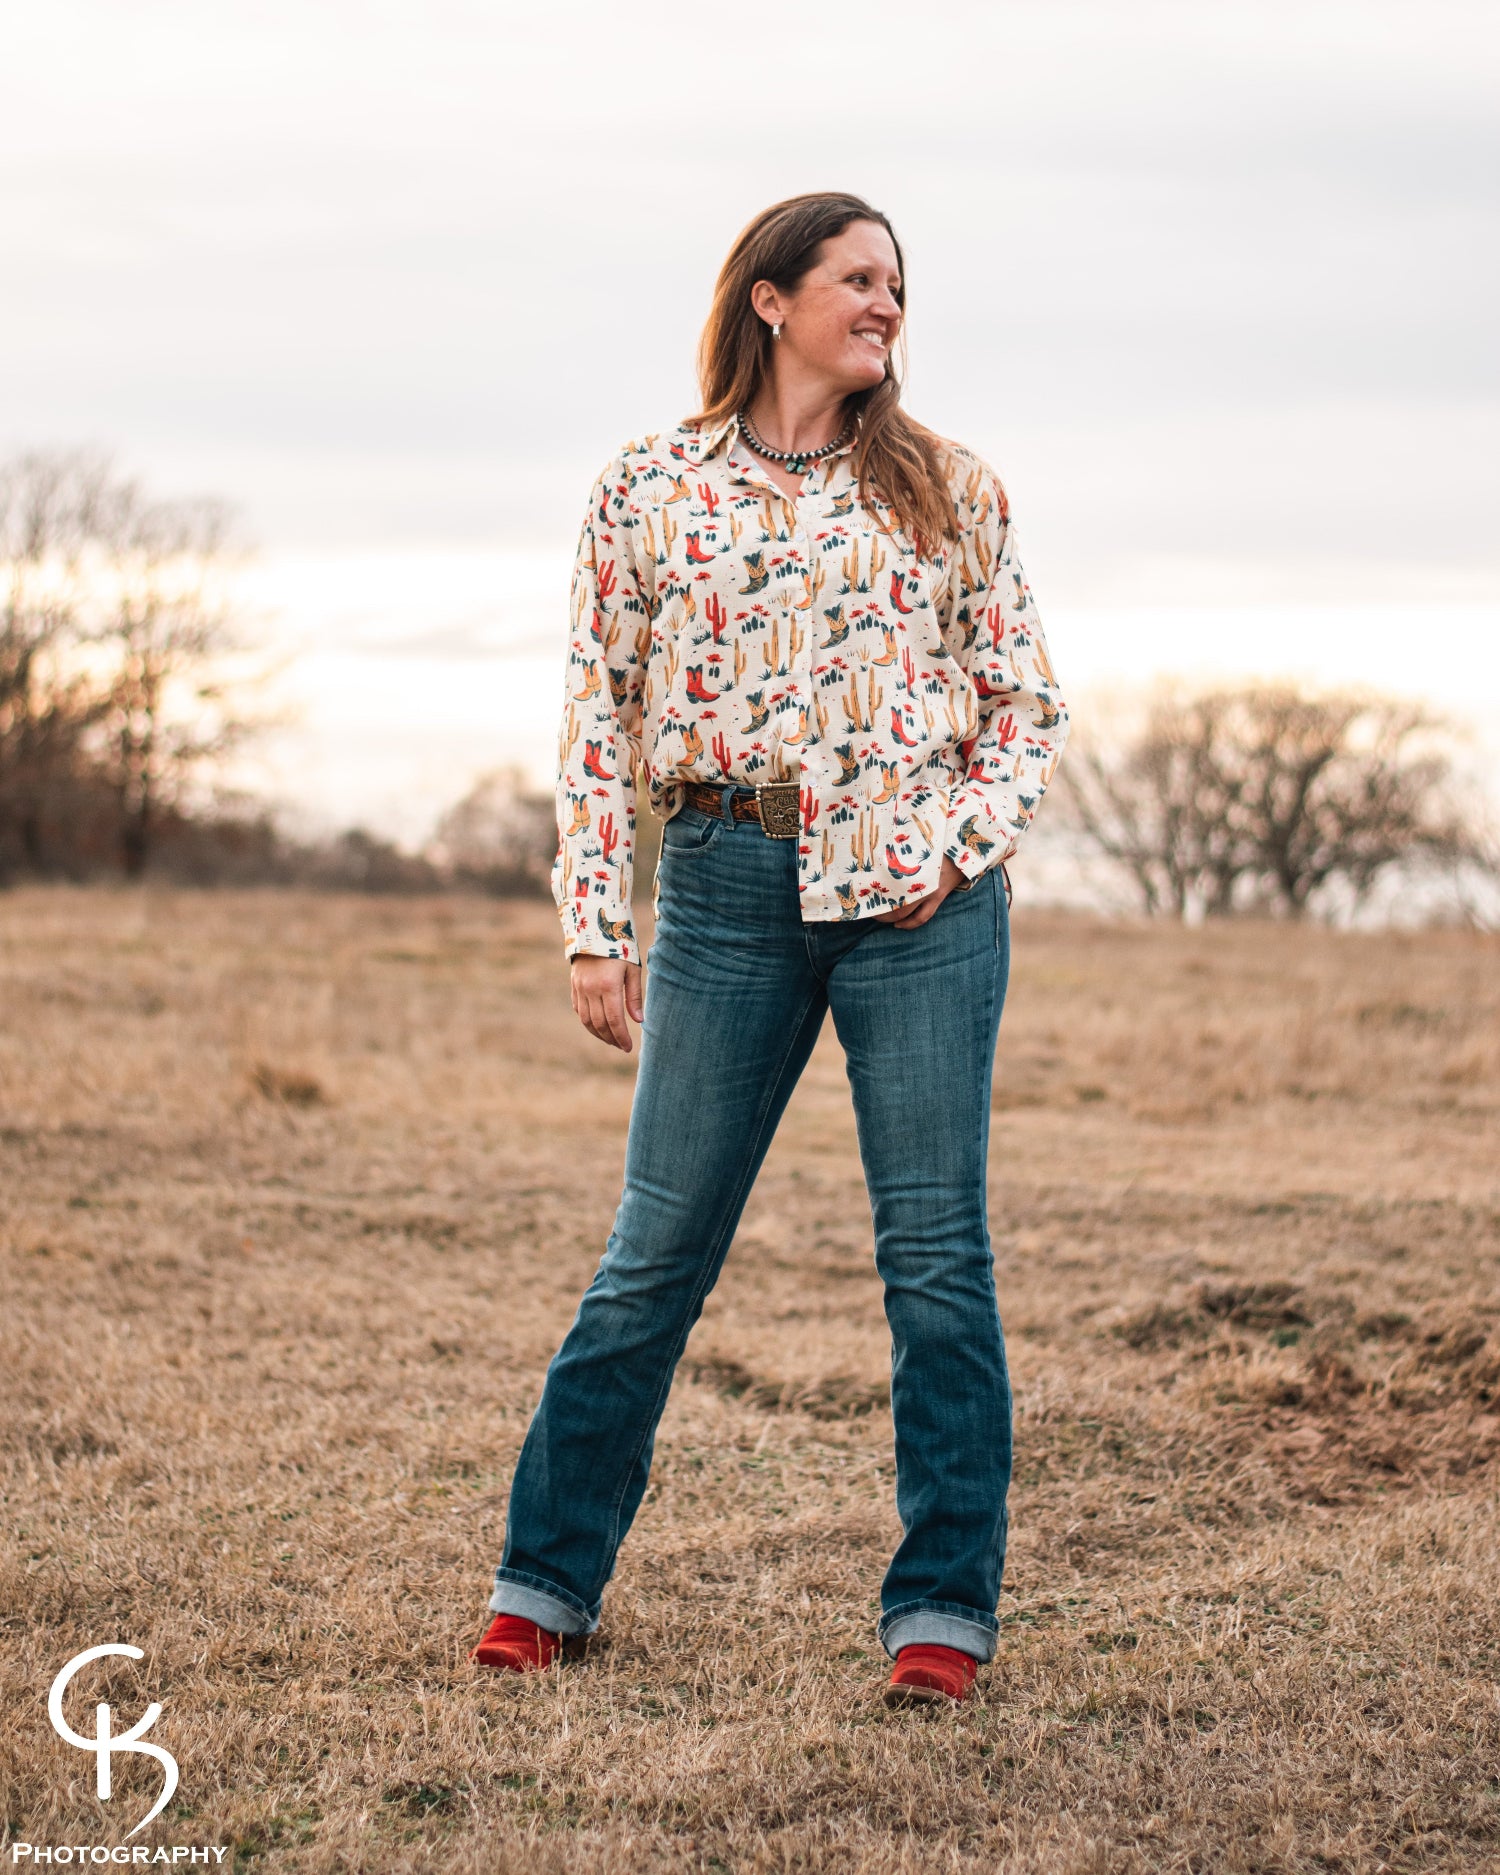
column 896, row 458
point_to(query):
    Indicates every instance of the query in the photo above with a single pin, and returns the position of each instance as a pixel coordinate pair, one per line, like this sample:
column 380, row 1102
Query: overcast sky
column 1214, row 286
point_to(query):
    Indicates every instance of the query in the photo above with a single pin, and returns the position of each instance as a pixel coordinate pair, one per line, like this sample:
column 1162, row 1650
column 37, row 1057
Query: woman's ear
column 768, row 303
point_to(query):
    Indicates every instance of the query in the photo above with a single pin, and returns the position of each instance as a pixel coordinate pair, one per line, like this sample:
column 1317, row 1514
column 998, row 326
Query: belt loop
column 726, row 804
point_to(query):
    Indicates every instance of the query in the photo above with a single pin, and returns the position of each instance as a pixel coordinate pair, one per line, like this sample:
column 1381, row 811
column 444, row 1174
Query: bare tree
column 1259, row 798
column 114, row 622
column 165, row 632
column 52, row 509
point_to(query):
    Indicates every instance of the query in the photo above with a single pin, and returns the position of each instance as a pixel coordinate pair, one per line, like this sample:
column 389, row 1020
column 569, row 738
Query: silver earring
column 775, row 332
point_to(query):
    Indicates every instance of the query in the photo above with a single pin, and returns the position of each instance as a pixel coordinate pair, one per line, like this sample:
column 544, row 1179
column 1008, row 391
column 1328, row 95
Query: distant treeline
column 224, row 846
column 121, row 704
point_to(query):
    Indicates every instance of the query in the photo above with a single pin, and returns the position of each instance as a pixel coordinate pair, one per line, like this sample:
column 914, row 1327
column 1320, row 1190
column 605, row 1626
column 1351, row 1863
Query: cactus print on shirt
column 725, row 631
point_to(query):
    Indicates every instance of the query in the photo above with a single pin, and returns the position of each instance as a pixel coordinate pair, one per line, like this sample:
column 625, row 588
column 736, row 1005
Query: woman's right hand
column 605, row 991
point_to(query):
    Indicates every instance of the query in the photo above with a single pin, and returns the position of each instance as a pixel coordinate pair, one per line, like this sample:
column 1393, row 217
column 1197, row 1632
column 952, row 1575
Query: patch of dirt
column 834, row 1396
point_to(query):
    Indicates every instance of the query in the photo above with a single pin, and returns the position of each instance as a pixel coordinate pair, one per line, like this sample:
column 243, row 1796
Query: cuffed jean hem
column 938, row 1624
column 540, row 1602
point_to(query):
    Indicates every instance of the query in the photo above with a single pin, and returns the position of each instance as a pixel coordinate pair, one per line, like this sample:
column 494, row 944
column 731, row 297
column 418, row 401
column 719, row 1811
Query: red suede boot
column 924, row 1674
column 515, row 1644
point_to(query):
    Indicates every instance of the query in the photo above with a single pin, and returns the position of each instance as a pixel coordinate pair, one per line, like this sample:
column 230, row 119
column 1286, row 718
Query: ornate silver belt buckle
column 780, row 809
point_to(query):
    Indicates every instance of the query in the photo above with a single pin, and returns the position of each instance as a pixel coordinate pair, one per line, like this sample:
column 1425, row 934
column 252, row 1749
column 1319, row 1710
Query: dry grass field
column 300, row 1193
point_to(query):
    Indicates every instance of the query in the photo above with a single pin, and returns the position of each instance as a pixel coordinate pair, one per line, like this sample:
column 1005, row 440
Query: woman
column 803, row 615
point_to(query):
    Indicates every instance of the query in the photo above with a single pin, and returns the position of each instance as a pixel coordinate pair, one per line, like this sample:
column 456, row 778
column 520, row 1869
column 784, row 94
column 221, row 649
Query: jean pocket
column 690, row 830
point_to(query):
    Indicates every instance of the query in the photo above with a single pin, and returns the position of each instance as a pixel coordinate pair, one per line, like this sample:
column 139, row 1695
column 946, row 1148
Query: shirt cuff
column 968, row 862
column 972, row 847
column 585, row 936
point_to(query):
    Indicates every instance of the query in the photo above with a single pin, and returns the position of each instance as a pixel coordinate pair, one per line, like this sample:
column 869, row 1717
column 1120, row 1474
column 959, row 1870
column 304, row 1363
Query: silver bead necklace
column 795, row 461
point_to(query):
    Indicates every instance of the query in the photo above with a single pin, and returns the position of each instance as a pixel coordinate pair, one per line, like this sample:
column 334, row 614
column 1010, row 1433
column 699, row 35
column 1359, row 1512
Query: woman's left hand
column 908, row 917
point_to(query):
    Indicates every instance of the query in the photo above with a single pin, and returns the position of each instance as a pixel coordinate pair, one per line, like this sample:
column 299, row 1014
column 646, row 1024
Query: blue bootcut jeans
column 735, row 997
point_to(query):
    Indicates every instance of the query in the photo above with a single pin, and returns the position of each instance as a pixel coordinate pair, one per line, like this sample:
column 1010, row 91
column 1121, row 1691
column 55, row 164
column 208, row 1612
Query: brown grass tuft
column 292, row 1086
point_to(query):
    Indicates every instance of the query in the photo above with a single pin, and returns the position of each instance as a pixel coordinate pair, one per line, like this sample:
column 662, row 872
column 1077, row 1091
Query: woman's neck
column 797, row 416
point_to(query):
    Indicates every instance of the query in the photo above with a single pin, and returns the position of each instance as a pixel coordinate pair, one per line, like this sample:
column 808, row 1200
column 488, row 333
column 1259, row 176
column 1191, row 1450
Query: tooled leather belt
column 774, row 804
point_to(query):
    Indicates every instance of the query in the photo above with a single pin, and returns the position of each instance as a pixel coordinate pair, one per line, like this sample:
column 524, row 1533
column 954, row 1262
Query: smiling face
column 841, row 319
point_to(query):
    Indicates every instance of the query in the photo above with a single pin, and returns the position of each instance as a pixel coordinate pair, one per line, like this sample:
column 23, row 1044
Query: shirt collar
column 695, row 445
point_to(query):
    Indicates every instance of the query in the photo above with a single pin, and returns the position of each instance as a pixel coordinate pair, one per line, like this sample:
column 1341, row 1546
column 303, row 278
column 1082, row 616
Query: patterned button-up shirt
column 725, row 631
